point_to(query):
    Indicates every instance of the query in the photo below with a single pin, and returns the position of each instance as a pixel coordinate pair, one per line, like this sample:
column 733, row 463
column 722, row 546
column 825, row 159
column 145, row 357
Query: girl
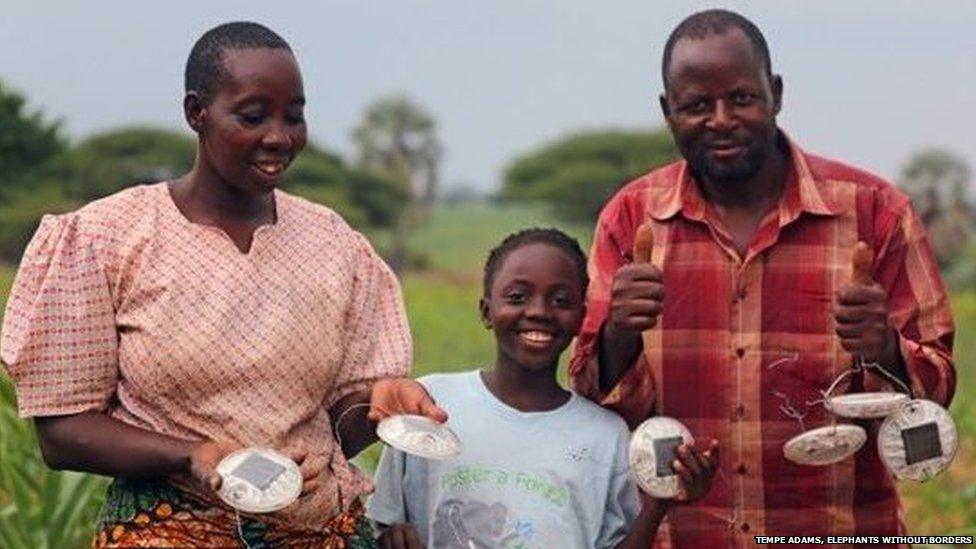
column 541, row 466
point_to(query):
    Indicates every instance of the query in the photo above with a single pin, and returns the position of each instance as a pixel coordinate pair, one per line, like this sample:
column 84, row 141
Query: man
column 749, row 307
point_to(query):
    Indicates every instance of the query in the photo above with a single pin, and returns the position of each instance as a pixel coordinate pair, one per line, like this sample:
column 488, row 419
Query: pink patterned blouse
column 127, row 307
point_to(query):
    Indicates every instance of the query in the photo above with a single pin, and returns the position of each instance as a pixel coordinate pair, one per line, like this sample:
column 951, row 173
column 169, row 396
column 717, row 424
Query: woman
column 154, row 331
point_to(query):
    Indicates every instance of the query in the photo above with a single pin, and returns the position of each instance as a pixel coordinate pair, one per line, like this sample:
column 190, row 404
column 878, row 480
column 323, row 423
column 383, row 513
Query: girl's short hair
column 535, row 235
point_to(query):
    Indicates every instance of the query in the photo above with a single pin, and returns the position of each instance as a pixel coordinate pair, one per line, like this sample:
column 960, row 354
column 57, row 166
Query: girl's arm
column 696, row 470
column 642, row 535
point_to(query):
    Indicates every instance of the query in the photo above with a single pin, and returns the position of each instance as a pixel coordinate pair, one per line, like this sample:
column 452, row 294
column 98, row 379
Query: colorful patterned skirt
column 153, row 513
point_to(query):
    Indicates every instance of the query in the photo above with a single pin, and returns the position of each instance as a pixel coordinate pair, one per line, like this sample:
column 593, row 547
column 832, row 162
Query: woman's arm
column 95, row 443
column 353, row 430
column 356, row 427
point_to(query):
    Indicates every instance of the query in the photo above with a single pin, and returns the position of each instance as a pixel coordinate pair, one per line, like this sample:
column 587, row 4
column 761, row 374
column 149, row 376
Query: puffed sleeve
column 376, row 333
column 59, row 340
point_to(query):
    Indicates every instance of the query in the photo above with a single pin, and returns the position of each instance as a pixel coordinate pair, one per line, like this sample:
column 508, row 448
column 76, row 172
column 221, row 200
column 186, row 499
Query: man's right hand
column 400, row 536
column 636, row 299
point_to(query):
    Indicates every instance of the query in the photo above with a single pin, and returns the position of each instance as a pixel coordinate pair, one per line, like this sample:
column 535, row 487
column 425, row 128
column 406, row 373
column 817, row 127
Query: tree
column 110, row 161
column 362, row 197
column 397, row 138
column 577, row 174
column 938, row 183
column 26, row 139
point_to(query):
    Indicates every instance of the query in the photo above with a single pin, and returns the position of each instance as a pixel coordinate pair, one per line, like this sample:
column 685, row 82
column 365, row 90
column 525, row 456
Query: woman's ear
column 485, row 313
column 194, row 110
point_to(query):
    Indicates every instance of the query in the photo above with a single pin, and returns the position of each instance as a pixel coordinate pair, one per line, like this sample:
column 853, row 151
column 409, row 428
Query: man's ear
column 194, row 110
column 665, row 108
column 776, row 85
column 484, row 312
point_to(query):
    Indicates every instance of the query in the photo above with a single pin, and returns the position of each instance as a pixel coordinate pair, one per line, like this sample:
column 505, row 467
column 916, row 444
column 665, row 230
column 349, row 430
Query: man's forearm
column 618, row 352
column 892, row 361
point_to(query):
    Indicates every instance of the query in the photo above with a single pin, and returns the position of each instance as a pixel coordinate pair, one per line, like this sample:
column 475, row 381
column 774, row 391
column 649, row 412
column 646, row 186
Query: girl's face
column 535, row 306
column 253, row 126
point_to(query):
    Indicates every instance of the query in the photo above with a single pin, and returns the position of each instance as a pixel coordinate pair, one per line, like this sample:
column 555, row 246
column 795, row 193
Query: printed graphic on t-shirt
column 465, row 519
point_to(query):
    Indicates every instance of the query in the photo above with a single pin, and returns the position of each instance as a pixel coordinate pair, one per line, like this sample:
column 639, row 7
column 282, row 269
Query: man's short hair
column 205, row 66
column 710, row 22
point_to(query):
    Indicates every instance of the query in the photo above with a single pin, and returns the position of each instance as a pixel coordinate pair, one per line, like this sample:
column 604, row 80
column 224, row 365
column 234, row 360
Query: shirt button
column 745, row 527
column 741, row 469
column 740, row 352
column 740, row 293
column 738, row 412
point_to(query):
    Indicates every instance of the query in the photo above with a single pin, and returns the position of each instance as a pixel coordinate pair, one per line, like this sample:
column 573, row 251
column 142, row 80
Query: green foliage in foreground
column 40, row 508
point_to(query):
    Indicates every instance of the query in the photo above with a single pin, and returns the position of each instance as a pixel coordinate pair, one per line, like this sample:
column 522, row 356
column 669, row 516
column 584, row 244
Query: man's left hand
column 402, row 396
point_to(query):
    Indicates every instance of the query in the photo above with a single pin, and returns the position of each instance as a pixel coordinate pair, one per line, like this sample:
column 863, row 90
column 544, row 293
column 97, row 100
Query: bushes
column 577, row 174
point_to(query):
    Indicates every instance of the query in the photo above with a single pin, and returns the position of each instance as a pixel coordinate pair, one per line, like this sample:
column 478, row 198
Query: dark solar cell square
column 921, row 443
column 259, row 471
column 666, row 451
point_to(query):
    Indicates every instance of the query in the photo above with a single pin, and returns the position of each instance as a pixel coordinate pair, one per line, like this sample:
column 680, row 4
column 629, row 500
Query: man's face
column 721, row 106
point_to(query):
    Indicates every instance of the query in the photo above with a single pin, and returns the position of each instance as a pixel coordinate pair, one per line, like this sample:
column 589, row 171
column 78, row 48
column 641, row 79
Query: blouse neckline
column 174, row 210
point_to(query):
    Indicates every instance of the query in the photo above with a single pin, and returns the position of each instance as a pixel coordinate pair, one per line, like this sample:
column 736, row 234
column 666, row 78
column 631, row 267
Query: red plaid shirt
column 738, row 334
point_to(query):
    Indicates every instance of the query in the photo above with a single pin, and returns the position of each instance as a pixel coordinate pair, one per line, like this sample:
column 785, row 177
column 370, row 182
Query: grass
column 448, row 336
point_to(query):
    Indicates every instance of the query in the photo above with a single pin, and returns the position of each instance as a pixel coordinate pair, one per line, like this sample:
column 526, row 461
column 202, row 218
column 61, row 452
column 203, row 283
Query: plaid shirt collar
column 804, row 193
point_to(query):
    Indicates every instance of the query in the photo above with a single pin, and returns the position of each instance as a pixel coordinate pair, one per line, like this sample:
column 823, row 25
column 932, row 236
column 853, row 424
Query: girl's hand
column 402, row 396
column 696, row 470
column 400, row 536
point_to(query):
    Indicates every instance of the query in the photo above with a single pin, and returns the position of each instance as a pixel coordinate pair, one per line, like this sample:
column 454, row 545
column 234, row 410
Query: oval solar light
column 825, row 445
column 653, row 449
column 419, row 436
column 866, row 405
column 918, row 441
column 259, row 480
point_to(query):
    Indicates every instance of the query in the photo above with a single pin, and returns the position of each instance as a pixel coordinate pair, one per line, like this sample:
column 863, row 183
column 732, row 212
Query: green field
column 442, row 307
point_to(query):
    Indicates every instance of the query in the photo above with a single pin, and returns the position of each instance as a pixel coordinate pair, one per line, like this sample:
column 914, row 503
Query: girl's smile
column 535, row 306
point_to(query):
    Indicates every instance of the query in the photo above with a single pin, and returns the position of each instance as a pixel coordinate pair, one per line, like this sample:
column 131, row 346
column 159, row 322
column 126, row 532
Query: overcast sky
column 866, row 81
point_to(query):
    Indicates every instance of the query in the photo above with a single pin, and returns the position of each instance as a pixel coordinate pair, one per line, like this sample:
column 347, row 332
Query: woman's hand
column 203, row 463
column 206, row 456
column 696, row 470
column 310, row 470
column 394, row 396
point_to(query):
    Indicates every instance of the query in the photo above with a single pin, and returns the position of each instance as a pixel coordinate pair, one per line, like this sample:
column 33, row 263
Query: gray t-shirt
column 523, row 480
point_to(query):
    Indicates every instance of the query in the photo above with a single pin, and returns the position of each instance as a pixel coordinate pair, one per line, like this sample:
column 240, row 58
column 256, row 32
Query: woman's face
column 254, row 125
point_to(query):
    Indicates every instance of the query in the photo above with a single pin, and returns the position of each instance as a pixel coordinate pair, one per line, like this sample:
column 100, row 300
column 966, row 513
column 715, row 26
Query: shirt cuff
column 926, row 370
